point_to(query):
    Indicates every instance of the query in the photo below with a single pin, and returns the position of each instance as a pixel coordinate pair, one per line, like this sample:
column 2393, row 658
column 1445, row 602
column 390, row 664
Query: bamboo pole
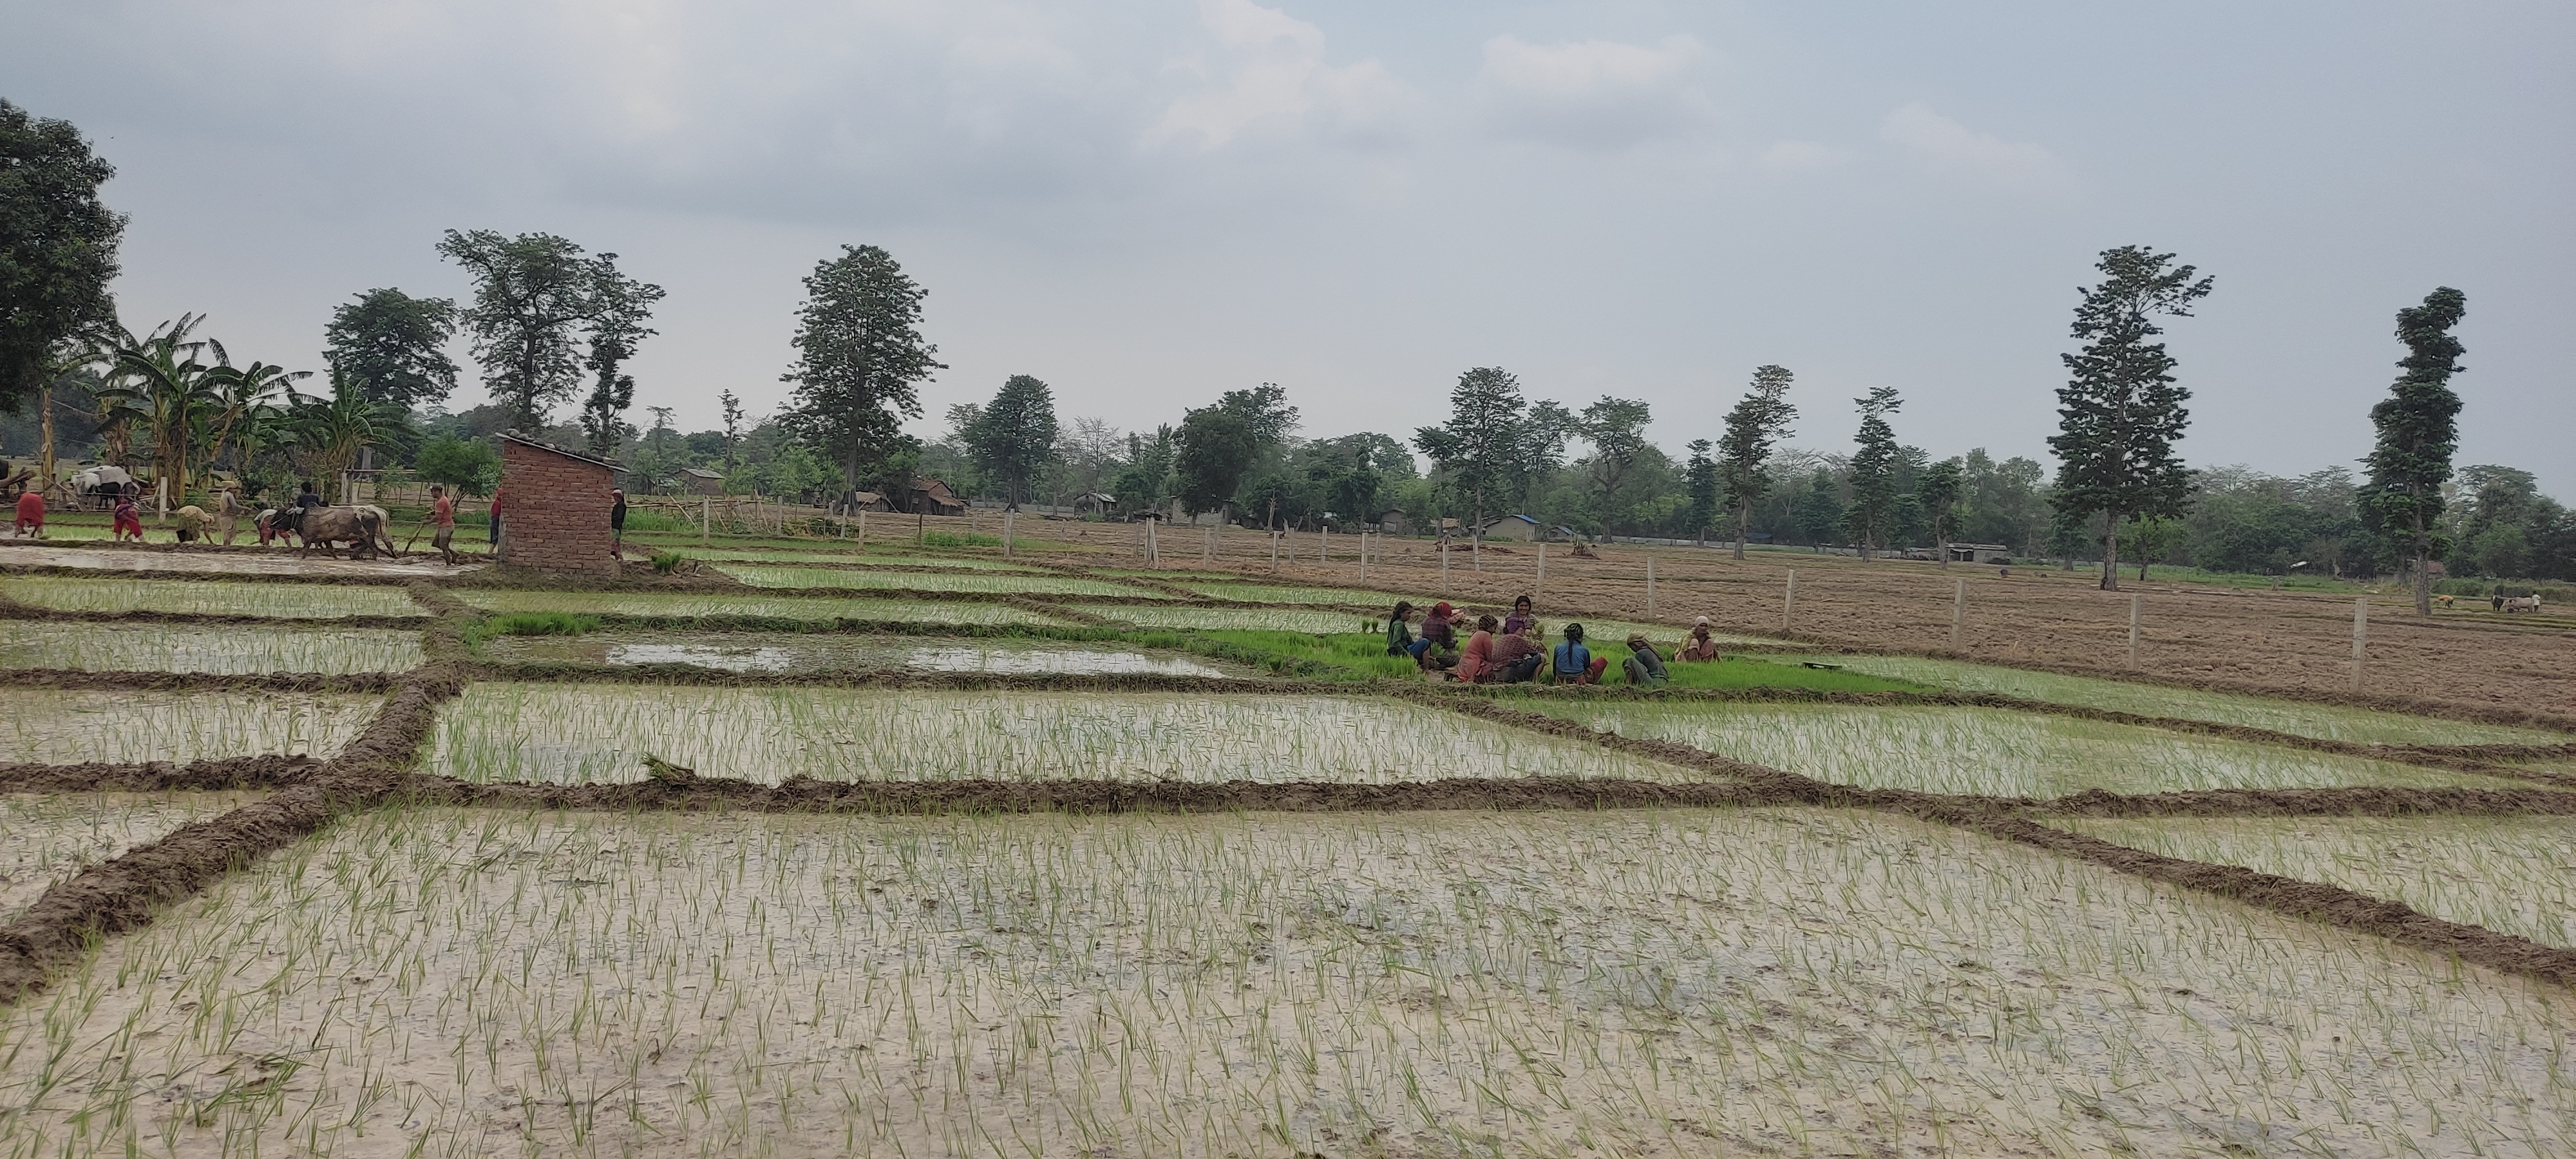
column 1207, row 549
column 1650, row 585
column 1006, row 532
column 1324, row 547
column 863, row 529
column 706, row 520
column 2360, row 638
column 1539, row 585
column 1274, row 557
column 1789, row 600
column 2137, row 604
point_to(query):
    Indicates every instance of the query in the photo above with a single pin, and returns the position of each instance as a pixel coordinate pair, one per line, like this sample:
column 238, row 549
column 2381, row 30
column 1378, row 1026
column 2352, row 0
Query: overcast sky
column 1147, row 202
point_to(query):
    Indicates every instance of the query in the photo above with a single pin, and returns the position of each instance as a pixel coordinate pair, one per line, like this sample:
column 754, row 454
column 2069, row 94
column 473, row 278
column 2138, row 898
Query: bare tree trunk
column 2111, row 553
column 1941, row 543
column 1743, row 527
column 2423, row 568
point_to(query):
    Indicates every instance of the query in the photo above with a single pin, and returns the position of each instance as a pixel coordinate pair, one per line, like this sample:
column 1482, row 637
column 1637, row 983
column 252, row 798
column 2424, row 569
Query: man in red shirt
column 442, row 521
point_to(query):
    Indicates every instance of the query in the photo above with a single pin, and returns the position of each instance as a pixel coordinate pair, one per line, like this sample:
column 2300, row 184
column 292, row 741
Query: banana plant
column 164, row 383
column 332, row 430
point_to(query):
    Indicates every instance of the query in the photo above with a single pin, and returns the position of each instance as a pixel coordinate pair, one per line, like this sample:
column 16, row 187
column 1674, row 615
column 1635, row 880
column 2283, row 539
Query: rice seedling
column 819, row 609
column 1985, row 751
column 466, row 984
column 46, row 837
column 60, row 727
column 867, row 559
column 2510, row 874
column 226, row 650
column 2325, row 721
column 818, row 577
column 773, row 652
column 212, row 597
column 573, row 733
column 1291, row 594
column 1312, row 623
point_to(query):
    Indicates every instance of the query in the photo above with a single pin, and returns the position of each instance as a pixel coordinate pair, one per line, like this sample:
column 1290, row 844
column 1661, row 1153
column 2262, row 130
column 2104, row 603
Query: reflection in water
column 704, row 656
column 824, row 653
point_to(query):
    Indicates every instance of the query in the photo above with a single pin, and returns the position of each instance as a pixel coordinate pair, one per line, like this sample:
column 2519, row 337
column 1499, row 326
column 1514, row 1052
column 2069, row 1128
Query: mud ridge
column 262, row 772
column 564, row 672
column 74, row 680
column 212, row 619
column 2356, row 801
column 232, row 577
column 2311, row 901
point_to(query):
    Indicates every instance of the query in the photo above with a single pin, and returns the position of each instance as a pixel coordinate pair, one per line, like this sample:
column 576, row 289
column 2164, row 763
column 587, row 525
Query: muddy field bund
column 679, row 605
column 602, row 733
column 776, row 652
column 46, row 837
column 229, row 649
column 286, row 601
column 56, row 726
column 473, row 983
column 1986, row 751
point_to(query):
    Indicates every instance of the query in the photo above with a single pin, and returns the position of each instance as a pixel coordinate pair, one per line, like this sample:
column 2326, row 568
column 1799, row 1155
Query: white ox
column 2530, row 603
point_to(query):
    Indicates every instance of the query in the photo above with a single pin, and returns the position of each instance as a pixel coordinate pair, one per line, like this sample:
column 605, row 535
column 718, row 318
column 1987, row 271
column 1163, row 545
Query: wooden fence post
column 1006, row 532
column 1650, row 586
column 1444, row 569
column 1274, row 557
column 1789, row 600
column 1324, row 547
column 1207, row 549
column 1364, row 550
column 863, row 529
column 1958, row 613
column 2137, row 603
column 2360, row 637
column 706, row 518
column 1539, row 585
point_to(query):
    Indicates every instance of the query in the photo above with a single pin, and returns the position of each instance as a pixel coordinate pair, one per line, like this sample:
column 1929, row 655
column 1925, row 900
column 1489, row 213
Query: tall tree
column 1616, row 428
column 1264, row 410
column 1872, row 513
column 1760, row 419
column 619, row 307
column 860, row 360
column 531, row 294
column 730, row 404
column 1702, row 479
column 390, row 346
column 2121, row 410
column 1216, row 446
column 1487, row 439
column 57, row 252
column 1939, row 489
column 1013, row 437
column 2419, row 430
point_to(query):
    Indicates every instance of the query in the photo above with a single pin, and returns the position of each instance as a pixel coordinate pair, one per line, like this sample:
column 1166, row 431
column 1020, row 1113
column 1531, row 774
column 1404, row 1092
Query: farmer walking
column 442, row 521
column 31, row 515
column 228, row 511
column 616, row 524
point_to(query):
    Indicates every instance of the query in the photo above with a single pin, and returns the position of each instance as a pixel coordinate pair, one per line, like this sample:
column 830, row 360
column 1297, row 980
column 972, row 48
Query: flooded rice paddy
column 2514, row 874
column 208, row 597
column 1320, row 623
column 228, row 649
column 2300, row 718
column 577, row 733
column 774, row 652
column 1009, row 583
column 127, row 726
column 1994, row 752
column 47, row 837
column 1641, row 984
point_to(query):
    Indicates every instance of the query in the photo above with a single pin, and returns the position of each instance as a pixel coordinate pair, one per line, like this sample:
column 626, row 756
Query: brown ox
column 362, row 528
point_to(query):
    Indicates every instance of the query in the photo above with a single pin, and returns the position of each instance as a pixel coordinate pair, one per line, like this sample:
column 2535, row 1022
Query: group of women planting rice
column 1514, row 650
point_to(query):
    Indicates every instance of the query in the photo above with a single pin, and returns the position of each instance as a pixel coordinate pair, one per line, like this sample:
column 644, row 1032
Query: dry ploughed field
column 894, row 849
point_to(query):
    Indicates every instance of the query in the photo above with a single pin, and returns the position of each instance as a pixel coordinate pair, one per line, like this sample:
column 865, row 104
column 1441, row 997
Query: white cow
column 2530, row 603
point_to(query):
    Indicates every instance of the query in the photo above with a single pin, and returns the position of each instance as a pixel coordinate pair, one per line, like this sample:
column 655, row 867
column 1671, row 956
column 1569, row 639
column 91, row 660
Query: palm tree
column 162, row 383
column 332, row 430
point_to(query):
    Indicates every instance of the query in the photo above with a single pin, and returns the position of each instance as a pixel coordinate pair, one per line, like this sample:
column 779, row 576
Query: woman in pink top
column 1480, row 650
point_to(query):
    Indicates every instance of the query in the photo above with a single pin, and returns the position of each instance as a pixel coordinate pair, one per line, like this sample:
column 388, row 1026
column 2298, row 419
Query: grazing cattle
column 362, row 528
column 2445, row 601
column 2522, row 603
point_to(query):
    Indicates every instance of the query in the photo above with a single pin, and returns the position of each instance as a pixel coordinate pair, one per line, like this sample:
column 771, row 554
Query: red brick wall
column 554, row 511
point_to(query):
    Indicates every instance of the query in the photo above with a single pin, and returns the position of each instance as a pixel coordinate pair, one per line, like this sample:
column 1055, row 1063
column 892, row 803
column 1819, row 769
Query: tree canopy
column 1760, row 419
column 390, row 347
column 57, row 252
column 1872, row 511
column 2418, row 432
column 860, row 361
column 1013, row 437
column 2121, row 411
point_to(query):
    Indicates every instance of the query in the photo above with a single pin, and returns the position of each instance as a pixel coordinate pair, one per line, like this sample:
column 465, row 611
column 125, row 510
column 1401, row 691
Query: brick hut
column 554, row 507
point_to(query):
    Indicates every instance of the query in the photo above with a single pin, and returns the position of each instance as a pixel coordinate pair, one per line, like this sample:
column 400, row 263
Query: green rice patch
column 816, row 577
column 1986, row 751
column 229, row 650
column 64, row 726
column 574, row 733
column 285, row 601
column 822, row 609
column 1291, row 594
column 857, row 559
column 1312, row 623
column 2323, row 721
column 833, row 651
column 2515, row 875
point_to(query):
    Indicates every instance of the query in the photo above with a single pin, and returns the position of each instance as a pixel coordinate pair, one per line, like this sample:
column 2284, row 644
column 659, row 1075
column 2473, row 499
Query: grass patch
column 1354, row 655
column 1301, row 620
column 1293, row 594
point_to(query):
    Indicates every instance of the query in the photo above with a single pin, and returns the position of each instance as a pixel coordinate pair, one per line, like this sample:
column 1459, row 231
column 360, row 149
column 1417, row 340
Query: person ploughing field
column 442, row 522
